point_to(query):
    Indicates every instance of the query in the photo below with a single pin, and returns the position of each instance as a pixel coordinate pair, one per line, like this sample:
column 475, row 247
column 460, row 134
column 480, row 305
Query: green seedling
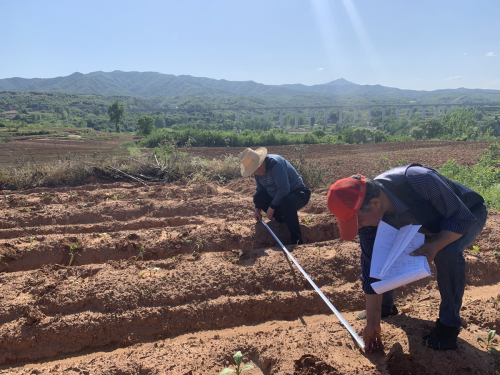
column 28, row 210
column 31, row 243
column 115, row 196
column 137, row 201
column 104, row 236
column 151, row 271
column 475, row 249
column 490, row 337
column 237, row 359
column 42, row 195
column 72, row 253
column 496, row 253
column 140, row 255
column 75, row 280
column 309, row 219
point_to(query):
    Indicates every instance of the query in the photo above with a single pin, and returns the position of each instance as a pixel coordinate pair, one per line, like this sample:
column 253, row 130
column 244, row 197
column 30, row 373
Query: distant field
column 50, row 149
column 366, row 158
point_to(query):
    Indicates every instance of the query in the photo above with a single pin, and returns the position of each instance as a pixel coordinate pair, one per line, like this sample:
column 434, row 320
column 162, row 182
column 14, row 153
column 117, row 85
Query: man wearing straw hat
column 280, row 190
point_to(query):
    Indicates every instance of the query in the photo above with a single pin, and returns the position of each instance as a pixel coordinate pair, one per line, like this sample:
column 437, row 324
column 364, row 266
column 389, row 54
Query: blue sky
column 424, row 45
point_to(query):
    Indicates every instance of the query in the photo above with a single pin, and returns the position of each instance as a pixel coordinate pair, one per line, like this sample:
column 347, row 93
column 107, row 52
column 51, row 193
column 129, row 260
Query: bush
column 484, row 177
column 313, row 174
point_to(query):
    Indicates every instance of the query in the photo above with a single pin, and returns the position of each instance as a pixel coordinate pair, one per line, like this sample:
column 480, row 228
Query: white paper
column 391, row 259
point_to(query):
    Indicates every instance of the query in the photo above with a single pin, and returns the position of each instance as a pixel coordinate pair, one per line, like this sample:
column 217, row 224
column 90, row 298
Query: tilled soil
column 345, row 160
column 156, row 284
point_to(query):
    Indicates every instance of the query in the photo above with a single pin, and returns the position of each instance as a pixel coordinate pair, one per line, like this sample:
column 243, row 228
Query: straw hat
column 251, row 160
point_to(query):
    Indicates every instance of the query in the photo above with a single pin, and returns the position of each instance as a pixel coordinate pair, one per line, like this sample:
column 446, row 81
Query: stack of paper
column 391, row 259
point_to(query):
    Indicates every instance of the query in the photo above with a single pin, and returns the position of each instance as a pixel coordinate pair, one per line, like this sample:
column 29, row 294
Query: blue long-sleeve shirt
column 280, row 179
column 431, row 186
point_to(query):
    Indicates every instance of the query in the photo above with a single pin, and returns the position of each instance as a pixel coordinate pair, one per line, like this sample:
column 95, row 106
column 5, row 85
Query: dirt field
column 182, row 307
column 37, row 149
column 347, row 160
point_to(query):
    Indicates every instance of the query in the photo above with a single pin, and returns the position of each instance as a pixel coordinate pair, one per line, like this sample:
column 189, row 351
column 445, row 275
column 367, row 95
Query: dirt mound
column 157, row 285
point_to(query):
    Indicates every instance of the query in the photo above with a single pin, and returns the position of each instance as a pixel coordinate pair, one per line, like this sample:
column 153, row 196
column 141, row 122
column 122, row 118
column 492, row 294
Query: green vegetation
column 489, row 346
column 72, row 253
column 482, row 177
column 115, row 113
column 237, row 359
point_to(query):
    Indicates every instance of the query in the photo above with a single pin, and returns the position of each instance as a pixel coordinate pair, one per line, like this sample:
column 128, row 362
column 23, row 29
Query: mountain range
column 151, row 84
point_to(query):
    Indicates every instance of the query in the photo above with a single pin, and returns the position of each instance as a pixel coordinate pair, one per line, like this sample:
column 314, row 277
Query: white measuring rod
column 341, row 318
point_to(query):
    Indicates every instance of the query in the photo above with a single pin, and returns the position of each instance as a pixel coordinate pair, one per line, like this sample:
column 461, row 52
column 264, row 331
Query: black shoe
column 443, row 337
column 280, row 219
column 394, row 311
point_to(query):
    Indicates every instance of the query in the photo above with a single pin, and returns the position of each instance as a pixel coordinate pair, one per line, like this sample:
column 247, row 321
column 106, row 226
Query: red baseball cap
column 344, row 200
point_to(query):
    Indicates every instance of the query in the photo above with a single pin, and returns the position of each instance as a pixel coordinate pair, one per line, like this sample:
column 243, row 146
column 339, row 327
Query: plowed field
column 151, row 289
column 345, row 160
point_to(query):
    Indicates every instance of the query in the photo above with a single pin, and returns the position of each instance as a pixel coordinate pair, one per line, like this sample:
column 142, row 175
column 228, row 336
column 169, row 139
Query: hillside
column 162, row 87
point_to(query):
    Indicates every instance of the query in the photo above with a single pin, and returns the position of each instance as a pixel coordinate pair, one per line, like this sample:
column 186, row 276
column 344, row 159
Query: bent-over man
column 451, row 215
column 280, row 190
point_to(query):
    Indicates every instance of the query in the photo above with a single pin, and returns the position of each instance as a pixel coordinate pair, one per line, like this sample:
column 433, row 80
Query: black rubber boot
column 443, row 337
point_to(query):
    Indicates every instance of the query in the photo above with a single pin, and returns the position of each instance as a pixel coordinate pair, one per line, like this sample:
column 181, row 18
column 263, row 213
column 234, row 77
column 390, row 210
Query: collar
column 399, row 206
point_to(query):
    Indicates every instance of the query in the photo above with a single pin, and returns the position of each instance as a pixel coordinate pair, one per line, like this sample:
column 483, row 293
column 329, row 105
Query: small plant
column 72, row 253
column 31, row 243
column 104, row 236
column 475, row 249
column 237, row 359
column 140, row 255
column 75, row 280
column 490, row 337
column 309, row 219
column 115, row 196
column 28, row 210
column 137, row 201
column 151, row 271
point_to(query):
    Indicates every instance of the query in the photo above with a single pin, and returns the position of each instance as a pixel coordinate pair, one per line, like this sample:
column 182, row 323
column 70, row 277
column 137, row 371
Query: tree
column 159, row 122
column 417, row 133
column 115, row 113
column 145, row 125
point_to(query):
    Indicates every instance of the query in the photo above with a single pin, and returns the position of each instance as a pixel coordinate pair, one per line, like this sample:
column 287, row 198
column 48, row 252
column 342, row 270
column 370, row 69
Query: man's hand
column 443, row 239
column 270, row 213
column 371, row 337
column 257, row 214
column 428, row 249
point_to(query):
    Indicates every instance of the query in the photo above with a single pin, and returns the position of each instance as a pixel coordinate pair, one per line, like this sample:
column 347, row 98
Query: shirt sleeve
column 367, row 240
column 280, row 177
column 431, row 186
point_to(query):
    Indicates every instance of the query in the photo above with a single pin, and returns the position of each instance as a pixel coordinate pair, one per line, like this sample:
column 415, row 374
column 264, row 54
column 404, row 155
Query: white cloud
column 490, row 54
column 455, row 78
column 320, row 69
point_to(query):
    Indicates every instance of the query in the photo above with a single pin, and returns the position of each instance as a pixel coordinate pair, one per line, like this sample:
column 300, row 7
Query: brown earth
column 345, row 160
column 181, row 306
column 43, row 149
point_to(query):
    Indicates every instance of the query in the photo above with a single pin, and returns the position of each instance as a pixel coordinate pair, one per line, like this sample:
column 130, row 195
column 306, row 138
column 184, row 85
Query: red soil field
column 347, row 160
column 181, row 307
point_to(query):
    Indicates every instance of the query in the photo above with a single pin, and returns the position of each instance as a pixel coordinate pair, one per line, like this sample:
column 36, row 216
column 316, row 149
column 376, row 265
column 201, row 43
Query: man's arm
column 280, row 177
column 457, row 219
column 372, row 330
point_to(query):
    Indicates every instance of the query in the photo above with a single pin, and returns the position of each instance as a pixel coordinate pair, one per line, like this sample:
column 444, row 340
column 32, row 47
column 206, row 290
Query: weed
column 137, row 201
column 237, row 359
column 475, row 249
column 1, row 261
column 104, row 236
column 151, row 271
column 31, row 243
column 72, row 253
column 490, row 337
column 313, row 174
column 402, row 162
column 309, row 219
column 28, row 210
column 140, row 255
column 75, row 280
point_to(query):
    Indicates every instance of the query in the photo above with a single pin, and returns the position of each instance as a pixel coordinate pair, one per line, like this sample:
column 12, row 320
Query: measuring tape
column 341, row 318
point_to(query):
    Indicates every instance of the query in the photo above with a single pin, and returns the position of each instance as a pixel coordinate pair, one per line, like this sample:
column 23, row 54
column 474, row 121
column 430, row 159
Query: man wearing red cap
column 451, row 215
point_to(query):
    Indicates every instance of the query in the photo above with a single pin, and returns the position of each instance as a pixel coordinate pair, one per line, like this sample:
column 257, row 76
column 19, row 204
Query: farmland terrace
column 126, row 279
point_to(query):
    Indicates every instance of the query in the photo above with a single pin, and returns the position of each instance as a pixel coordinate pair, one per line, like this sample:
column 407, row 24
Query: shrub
column 313, row 174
